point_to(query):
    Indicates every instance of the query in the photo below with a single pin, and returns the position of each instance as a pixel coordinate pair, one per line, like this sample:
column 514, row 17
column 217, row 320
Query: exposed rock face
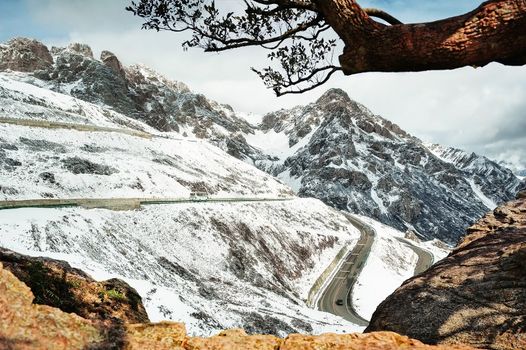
column 26, row 325
column 335, row 150
column 477, row 295
column 81, row 49
column 24, row 55
column 359, row 162
column 55, row 283
column 110, row 60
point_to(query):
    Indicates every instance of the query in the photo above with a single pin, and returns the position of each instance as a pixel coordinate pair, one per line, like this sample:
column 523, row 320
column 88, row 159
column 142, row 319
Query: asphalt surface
column 425, row 258
column 339, row 290
column 337, row 297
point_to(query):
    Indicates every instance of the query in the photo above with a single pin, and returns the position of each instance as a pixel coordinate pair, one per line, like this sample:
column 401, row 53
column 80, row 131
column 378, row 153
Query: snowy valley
column 251, row 257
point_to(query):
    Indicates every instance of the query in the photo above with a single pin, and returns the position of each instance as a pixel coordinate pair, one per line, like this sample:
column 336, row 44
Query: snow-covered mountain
column 212, row 265
column 515, row 166
column 487, row 179
column 336, row 150
column 66, row 163
column 72, row 126
column 333, row 149
column 135, row 91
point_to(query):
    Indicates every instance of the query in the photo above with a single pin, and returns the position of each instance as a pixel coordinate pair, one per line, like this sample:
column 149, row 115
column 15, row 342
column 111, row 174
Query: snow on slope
column 483, row 198
column 211, row 265
column 70, row 164
column 40, row 162
column 390, row 263
column 24, row 100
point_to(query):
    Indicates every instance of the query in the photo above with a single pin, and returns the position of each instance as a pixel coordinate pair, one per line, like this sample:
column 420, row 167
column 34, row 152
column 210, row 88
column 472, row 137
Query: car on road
column 339, row 302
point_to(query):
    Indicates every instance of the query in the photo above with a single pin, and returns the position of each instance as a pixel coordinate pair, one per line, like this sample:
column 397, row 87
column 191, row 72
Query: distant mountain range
column 333, row 149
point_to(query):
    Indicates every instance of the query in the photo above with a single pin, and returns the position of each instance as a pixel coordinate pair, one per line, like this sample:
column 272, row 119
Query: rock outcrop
column 55, row 283
column 81, row 49
column 477, row 295
column 27, row 325
column 24, row 55
column 356, row 161
column 110, row 60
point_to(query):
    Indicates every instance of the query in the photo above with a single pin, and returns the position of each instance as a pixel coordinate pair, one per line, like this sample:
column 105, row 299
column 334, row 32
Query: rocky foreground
column 110, row 308
column 477, row 295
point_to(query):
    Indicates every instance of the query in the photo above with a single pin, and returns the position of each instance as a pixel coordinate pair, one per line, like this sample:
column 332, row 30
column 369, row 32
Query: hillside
column 213, row 265
column 333, row 149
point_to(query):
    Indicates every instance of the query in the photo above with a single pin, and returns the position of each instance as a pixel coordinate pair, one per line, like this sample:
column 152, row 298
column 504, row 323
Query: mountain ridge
column 333, row 149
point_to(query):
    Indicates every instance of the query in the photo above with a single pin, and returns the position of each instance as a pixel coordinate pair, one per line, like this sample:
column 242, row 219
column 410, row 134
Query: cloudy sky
column 481, row 110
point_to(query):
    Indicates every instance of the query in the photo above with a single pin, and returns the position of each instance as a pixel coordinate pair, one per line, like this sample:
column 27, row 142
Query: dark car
column 339, row 302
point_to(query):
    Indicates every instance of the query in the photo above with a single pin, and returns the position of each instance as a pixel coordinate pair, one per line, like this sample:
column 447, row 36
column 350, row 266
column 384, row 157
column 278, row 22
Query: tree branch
column 372, row 12
column 332, row 70
column 242, row 42
column 494, row 32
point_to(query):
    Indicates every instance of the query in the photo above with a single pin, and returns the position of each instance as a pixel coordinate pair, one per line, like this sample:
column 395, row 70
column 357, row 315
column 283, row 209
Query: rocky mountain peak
column 81, row 49
column 24, row 55
column 343, row 154
column 109, row 59
column 333, row 149
column 333, row 95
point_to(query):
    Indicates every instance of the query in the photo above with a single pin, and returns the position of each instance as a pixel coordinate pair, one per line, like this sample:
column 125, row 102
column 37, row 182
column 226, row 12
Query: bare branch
column 382, row 15
column 242, row 42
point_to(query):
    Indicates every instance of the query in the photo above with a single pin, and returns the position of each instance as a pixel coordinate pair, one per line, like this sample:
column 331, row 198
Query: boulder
column 476, row 296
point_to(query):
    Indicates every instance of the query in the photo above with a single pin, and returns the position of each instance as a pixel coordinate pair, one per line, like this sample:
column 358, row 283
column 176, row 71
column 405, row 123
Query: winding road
column 336, row 298
column 339, row 290
column 425, row 258
column 46, row 124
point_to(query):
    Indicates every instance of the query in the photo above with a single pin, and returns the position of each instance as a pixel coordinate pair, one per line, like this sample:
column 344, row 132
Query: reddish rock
column 29, row 326
column 110, row 60
column 55, row 283
column 357, row 341
column 477, row 295
column 24, row 55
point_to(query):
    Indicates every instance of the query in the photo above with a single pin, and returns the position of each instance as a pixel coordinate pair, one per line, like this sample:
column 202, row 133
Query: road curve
column 342, row 284
column 425, row 258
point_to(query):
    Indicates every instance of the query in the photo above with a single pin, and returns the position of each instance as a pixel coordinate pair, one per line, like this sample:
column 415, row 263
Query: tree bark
column 494, row 32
